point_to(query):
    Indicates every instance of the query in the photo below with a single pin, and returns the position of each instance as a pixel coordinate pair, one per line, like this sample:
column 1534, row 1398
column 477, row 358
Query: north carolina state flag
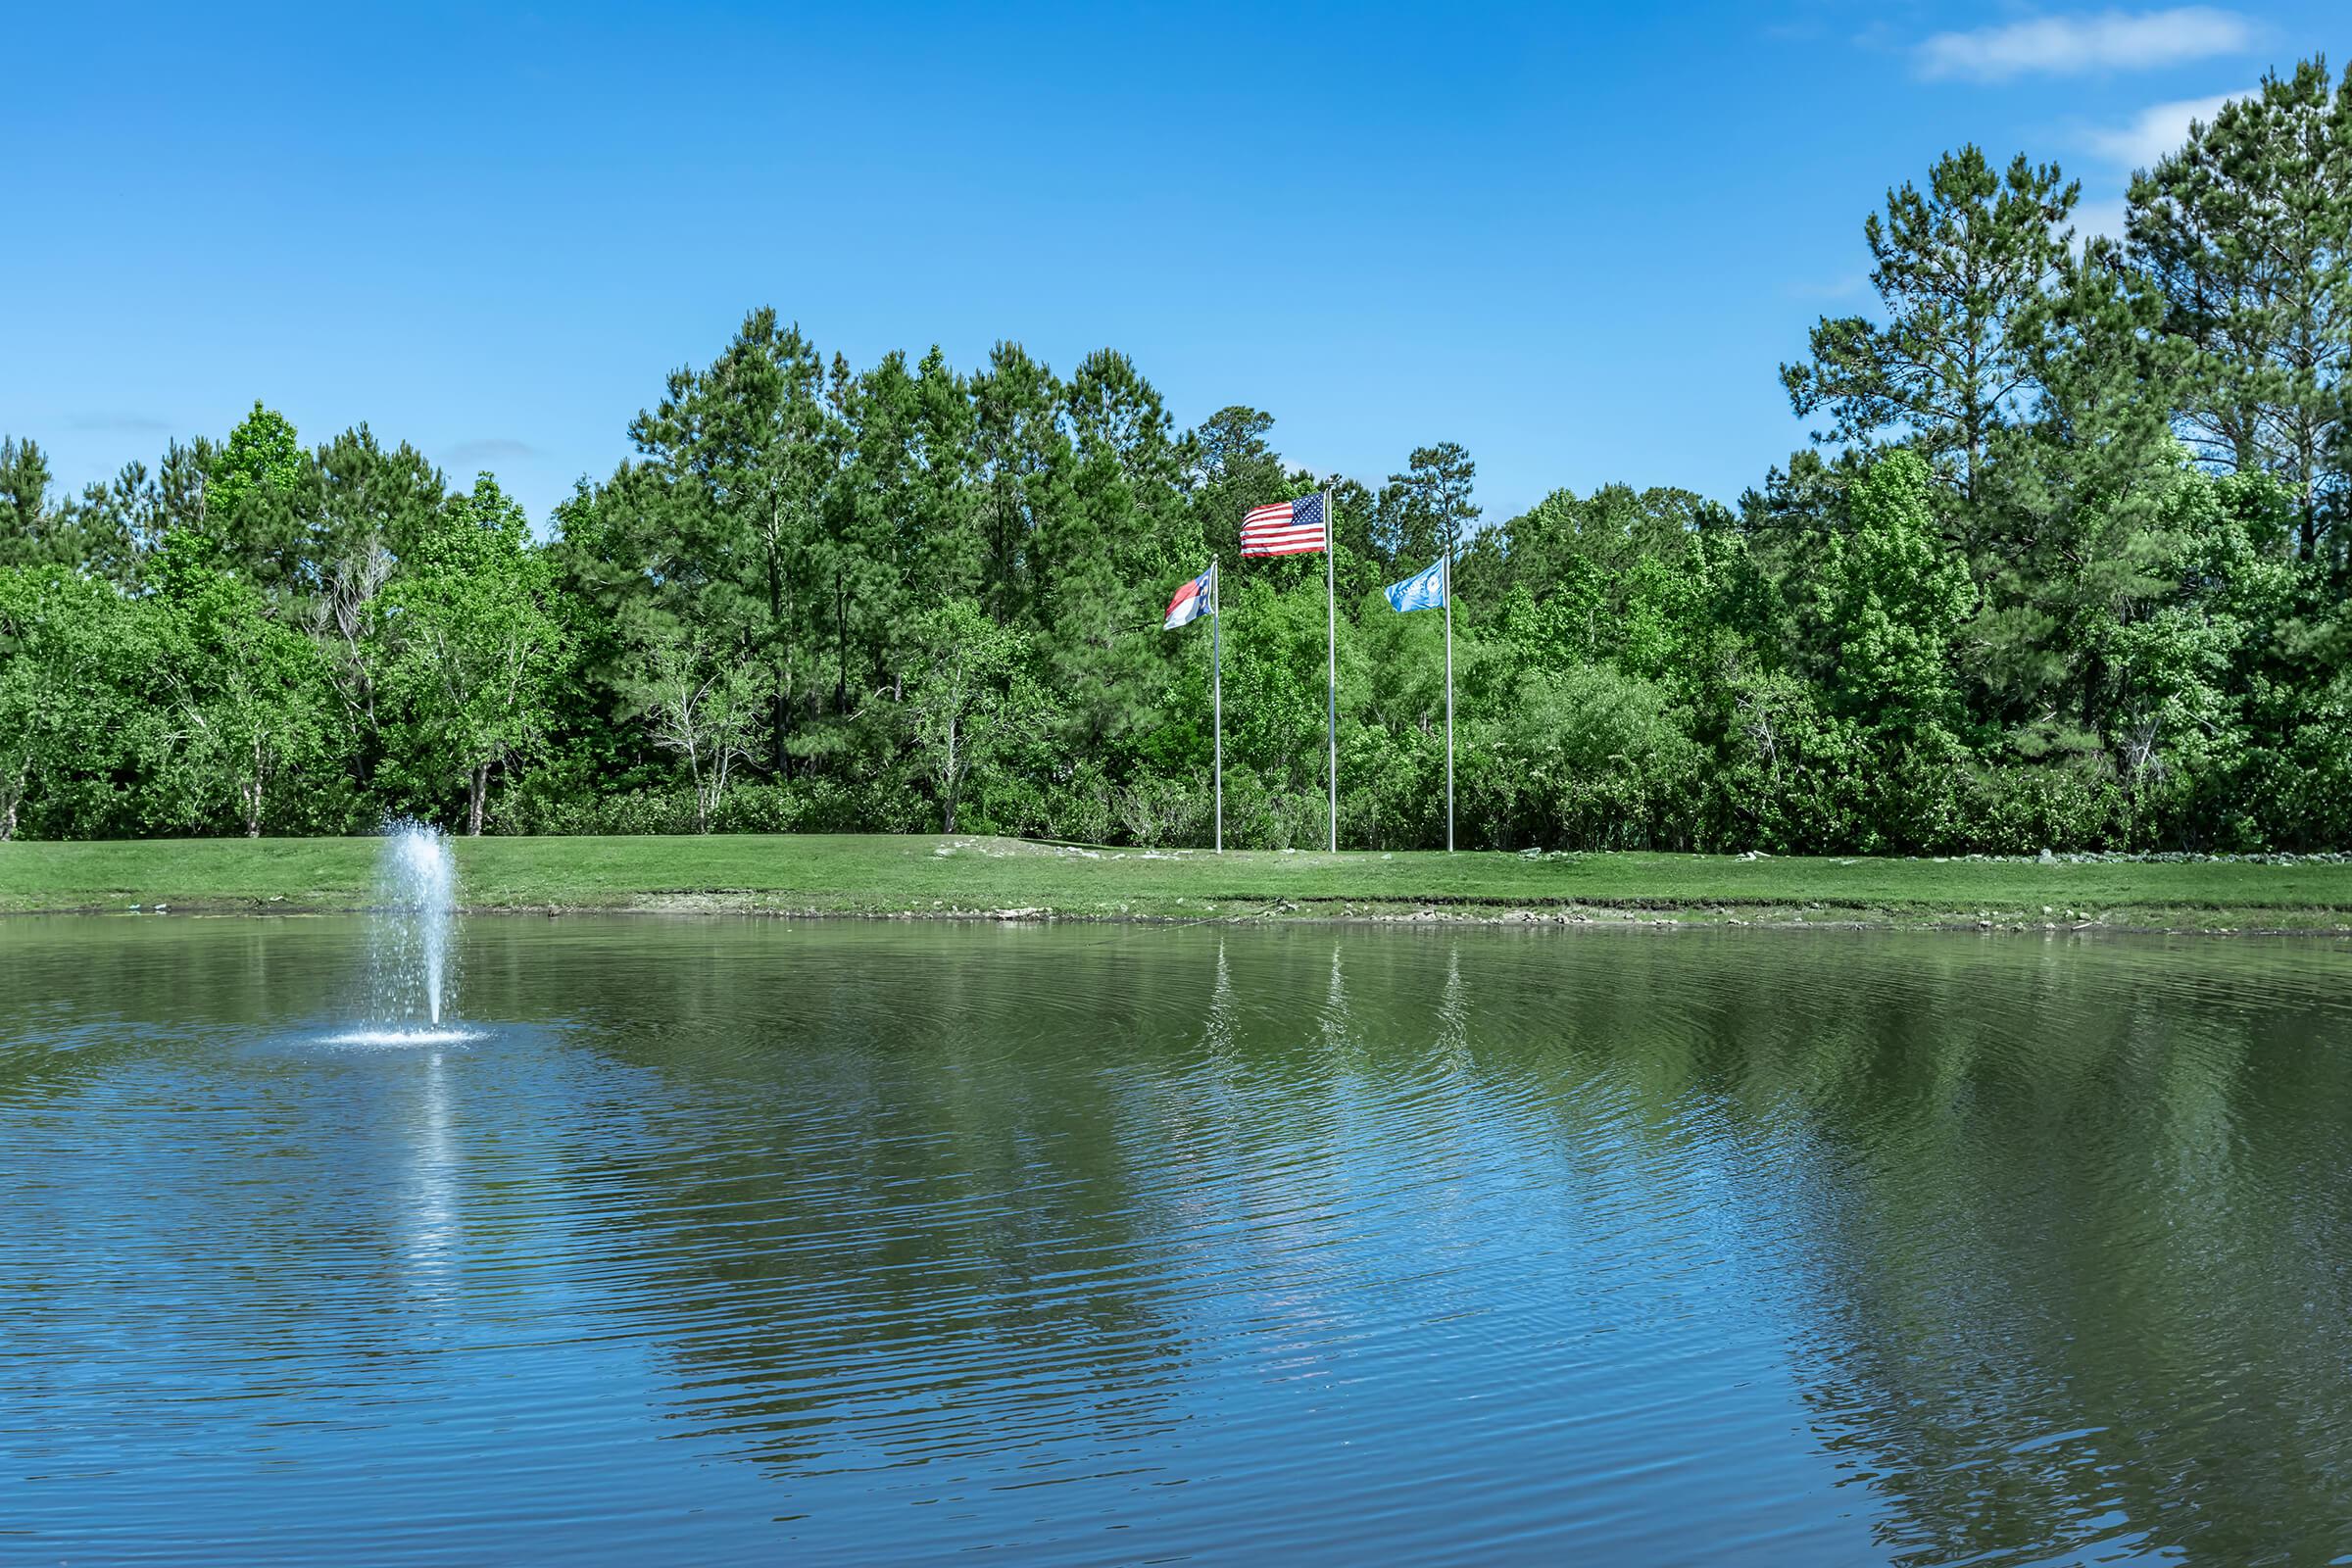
column 1189, row 603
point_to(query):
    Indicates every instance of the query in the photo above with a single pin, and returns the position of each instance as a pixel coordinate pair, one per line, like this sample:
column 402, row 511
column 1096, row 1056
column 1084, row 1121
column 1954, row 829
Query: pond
column 712, row 1239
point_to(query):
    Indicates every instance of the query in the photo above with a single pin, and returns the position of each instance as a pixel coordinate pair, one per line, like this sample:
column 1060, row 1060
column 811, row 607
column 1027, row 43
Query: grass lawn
column 933, row 875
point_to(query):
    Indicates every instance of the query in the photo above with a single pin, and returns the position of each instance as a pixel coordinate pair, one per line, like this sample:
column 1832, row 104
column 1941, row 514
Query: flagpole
column 1450, row 694
column 1216, row 683
column 1331, row 625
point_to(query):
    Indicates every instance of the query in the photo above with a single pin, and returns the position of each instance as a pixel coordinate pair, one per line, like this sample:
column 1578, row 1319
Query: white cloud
column 2137, row 144
column 2156, row 131
column 2101, row 220
column 1836, row 288
column 113, row 421
column 2069, row 46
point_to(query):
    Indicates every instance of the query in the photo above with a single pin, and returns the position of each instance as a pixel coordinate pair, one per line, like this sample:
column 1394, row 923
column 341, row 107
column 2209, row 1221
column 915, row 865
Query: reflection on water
column 866, row 1243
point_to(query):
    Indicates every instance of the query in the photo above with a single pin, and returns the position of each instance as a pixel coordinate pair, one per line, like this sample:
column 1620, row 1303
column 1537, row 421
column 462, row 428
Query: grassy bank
column 982, row 877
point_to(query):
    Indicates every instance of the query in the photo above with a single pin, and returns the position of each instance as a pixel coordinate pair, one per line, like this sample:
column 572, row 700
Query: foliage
column 1893, row 598
column 702, row 706
column 467, row 653
column 970, row 703
column 252, row 714
column 1959, row 267
column 2246, row 232
column 73, row 658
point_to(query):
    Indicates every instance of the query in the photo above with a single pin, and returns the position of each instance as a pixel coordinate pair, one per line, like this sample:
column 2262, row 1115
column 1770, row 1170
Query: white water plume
column 412, row 975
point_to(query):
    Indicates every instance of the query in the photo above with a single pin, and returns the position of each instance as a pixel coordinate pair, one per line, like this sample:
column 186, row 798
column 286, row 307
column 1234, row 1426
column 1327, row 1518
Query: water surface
column 708, row 1239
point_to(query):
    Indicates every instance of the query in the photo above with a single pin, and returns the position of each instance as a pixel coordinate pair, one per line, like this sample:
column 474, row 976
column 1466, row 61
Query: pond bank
column 976, row 877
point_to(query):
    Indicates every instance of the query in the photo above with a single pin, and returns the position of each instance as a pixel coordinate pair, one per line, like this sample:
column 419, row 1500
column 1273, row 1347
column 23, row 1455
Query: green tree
column 901, row 519
column 701, row 706
column 1960, row 268
column 2079, row 513
column 1896, row 596
column 1022, row 472
column 1427, row 508
column 254, row 713
column 1124, row 523
column 374, row 508
column 971, row 699
column 1232, row 468
column 24, row 510
column 746, row 450
column 77, row 668
column 256, row 486
column 470, row 649
column 1587, row 756
column 2247, row 230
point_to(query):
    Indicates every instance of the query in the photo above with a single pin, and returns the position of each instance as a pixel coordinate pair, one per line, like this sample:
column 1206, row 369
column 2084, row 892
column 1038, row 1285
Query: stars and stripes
column 1285, row 527
column 1423, row 590
column 1191, row 602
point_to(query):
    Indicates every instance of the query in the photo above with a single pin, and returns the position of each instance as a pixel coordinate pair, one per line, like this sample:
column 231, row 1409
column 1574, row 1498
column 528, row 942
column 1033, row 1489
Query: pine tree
column 2247, row 230
column 746, row 450
column 24, row 512
column 1959, row 268
column 1427, row 508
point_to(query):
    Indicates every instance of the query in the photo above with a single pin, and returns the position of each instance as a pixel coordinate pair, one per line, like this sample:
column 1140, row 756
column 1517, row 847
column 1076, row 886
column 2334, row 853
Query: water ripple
column 712, row 1240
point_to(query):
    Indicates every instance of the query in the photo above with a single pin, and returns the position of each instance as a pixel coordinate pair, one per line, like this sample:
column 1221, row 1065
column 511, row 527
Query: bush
column 2020, row 810
column 639, row 811
column 1158, row 812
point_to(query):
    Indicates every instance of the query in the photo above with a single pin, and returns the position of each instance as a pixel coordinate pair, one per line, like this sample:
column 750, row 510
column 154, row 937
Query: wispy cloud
column 116, row 422
column 487, row 451
column 2077, row 45
column 1836, row 288
column 2098, row 220
column 2154, row 131
column 2138, row 143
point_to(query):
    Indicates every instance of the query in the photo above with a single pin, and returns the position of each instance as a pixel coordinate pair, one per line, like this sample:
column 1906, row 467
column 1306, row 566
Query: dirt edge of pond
column 1581, row 915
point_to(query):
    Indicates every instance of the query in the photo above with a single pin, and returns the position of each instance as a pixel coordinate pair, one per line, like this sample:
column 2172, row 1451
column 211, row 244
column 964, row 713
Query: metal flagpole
column 1331, row 625
column 1216, row 683
column 1450, row 695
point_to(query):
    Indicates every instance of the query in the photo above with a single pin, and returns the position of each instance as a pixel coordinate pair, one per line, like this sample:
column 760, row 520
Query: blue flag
column 1423, row 590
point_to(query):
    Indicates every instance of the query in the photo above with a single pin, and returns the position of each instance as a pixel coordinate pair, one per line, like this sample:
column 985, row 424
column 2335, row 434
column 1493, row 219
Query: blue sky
column 1577, row 240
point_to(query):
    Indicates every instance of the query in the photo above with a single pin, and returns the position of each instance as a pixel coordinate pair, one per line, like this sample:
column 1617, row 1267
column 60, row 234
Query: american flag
column 1285, row 527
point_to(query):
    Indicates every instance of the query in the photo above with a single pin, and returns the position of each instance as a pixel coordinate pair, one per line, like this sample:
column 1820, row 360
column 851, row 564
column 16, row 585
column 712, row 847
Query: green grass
column 854, row 874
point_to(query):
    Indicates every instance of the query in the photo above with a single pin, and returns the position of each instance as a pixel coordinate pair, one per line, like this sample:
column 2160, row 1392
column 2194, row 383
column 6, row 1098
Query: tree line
column 2065, row 564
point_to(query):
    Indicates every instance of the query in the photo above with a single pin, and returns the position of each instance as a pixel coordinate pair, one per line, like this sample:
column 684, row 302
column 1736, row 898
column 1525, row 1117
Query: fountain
column 411, row 975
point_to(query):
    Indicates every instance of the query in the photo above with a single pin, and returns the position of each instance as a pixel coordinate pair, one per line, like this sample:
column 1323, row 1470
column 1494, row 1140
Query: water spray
column 411, row 969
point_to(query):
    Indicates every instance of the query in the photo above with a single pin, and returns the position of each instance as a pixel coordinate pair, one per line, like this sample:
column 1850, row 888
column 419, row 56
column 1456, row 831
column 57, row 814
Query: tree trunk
column 477, row 790
column 780, row 722
column 947, row 794
column 718, row 783
column 252, row 796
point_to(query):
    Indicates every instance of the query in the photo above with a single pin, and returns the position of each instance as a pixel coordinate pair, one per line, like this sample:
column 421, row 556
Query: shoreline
column 975, row 878
column 1572, row 918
